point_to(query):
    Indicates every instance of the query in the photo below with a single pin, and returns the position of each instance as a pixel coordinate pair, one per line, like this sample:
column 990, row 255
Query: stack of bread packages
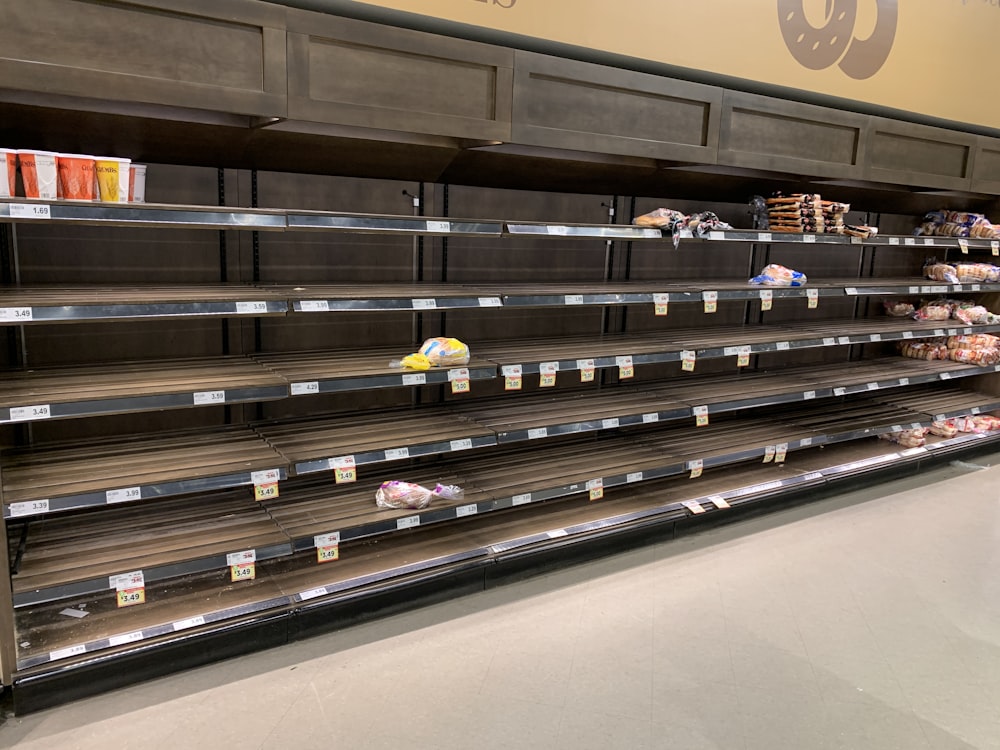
column 802, row 212
column 973, row 349
column 833, row 216
column 958, row 224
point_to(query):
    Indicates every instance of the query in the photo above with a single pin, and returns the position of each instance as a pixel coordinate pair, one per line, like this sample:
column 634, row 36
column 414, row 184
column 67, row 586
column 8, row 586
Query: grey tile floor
column 867, row 621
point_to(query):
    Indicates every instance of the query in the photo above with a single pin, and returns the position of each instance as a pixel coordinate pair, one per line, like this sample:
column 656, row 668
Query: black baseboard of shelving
column 47, row 688
column 102, row 674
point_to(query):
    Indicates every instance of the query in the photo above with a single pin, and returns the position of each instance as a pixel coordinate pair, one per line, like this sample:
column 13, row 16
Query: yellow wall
column 942, row 61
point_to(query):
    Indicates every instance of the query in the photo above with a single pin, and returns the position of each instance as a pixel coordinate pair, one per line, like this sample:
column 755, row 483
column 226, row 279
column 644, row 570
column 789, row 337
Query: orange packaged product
column 8, row 172
column 77, row 177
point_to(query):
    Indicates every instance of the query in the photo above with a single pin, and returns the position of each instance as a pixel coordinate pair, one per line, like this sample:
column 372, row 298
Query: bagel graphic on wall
column 836, row 43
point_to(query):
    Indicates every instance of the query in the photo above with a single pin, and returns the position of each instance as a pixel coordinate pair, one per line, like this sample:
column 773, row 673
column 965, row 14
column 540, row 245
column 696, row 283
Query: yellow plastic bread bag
column 445, row 352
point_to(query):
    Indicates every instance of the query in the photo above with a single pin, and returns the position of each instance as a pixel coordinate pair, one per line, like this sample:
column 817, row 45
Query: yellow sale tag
column 688, row 360
column 243, row 572
column 995, row 246
column 697, row 467
column 587, row 375
column 813, row 295
column 743, row 358
column 625, row 373
column 596, row 489
column 766, row 300
column 345, row 475
column 131, row 597
column 769, row 454
column 265, row 491
column 461, row 386
column 512, row 383
column 964, row 245
column 701, row 416
column 711, row 300
column 547, row 380
column 780, row 452
column 662, row 309
column 327, row 554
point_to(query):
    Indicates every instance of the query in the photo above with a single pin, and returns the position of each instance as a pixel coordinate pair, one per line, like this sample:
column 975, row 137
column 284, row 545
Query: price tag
column 910, row 241
column 314, row 305
column 191, row 622
column 764, row 237
column 743, row 357
column 548, row 372
column 694, row 506
column 939, row 332
column 995, row 246
column 345, row 469
column 312, row 593
column 907, row 334
column 17, row 313
column 121, row 640
column 766, row 299
column 242, row 565
column 30, row 413
column 123, row 495
column 587, row 370
column 894, row 240
column 556, row 533
column 30, row 211
column 209, row 397
column 304, row 389
column 855, row 240
column 397, row 454
column 538, row 434
column 463, row 511
column 844, row 340
column 634, row 477
column 661, row 305
column 407, row 523
column 976, row 410
column 610, row 424
column 711, row 300
column 945, row 376
column 265, row 491
column 976, row 287
column 809, row 395
column 696, row 467
column 654, row 417
column 829, row 341
column 783, row 346
column 769, row 452
column 327, row 547
column 813, row 296
column 963, row 245
column 30, row 508
column 928, row 241
column 461, row 445
column 424, row 304
column 559, row 231
column 573, row 299
column 872, row 386
column 716, row 235
column 719, row 502
column 626, row 368
column 701, row 416
column 265, row 477
column 596, row 489
column 780, row 453
column 460, row 382
column 512, row 377
column 688, row 360
column 809, row 239
column 438, row 226
column 914, row 290
column 904, row 381
column 130, row 588
column 839, row 391
column 521, row 499
column 251, row 308
column 875, row 337
column 490, row 302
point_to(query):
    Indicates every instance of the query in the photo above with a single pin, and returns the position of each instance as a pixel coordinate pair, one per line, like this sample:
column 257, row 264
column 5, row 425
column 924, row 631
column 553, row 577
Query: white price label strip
column 126, row 638
column 265, row 477
column 466, row 510
column 610, row 424
column 30, row 413
column 126, row 581
column 312, row 593
column 894, row 240
column 65, row 653
column 304, row 389
column 415, row 379
column 425, row 304
column 634, row 477
column 809, row 239
column 123, row 495
column 191, row 622
column 209, row 397
column 407, row 523
column 29, row 508
column 558, row 231
column 396, row 454
column 17, row 314
column 521, row 499
column 251, row 308
column 314, row 305
column 438, row 226
column 490, row 302
column 694, row 506
column 240, row 558
column 30, row 211
column 538, row 433
column 650, row 418
column 573, row 299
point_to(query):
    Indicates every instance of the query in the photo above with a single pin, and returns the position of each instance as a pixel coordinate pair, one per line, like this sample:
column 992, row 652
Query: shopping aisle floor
column 870, row 620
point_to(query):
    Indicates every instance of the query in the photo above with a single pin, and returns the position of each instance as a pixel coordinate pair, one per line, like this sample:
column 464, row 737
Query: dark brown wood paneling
column 986, row 167
column 228, row 55
column 781, row 136
column 360, row 74
column 910, row 154
column 567, row 104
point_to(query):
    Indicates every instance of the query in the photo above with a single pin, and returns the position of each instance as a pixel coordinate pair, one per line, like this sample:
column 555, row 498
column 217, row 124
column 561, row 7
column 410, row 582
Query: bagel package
column 394, row 494
column 775, row 275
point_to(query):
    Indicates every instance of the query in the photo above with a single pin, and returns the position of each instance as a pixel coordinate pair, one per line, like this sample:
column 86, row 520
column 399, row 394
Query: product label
column 809, row 395
column 780, row 452
column 558, row 231
column 910, row 241
column 809, row 239
column 610, row 424
column 512, row 377
column 461, row 445
column 538, row 433
column 650, row 418
column 191, row 622
column 547, row 374
column 521, row 499
column 312, row 593
column 327, row 547
column 769, row 452
column 995, row 246
column 963, row 245
column 267, row 491
column 894, row 240
column 783, row 346
column 121, row 640
column 719, row 502
column 764, row 237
